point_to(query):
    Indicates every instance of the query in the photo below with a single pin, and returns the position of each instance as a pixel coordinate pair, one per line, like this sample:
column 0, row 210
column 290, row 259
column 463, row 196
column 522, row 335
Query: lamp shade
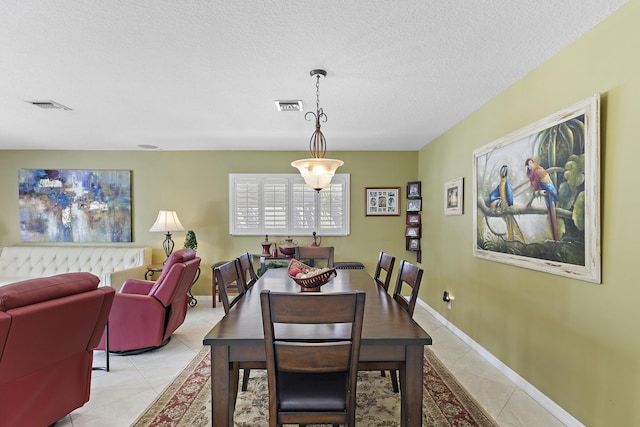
column 167, row 221
column 317, row 172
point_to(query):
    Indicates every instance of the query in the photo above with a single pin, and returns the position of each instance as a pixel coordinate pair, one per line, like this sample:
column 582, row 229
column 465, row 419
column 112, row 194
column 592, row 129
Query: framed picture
column 413, row 218
column 414, row 205
column 79, row 206
column 413, row 189
column 413, row 244
column 536, row 195
column 412, row 231
column 453, row 197
column 382, row 201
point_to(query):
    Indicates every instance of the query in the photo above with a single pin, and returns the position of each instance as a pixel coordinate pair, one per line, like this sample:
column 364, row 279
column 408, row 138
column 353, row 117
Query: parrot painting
column 502, row 197
column 543, row 186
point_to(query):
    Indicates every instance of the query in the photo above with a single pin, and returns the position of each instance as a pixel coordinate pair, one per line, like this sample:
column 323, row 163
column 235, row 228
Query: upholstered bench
column 113, row 265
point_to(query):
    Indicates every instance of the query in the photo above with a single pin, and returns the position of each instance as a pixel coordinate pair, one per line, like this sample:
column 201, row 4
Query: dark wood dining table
column 389, row 335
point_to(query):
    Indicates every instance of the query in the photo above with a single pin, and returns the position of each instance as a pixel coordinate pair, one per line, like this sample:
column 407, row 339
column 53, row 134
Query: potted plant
column 190, row 241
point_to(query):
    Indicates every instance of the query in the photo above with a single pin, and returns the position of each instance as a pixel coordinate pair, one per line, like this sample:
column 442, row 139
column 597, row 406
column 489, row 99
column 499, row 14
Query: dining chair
column 411, row 276
column 384, row 268
column 247, row 271
column 229, row 275
column 312, row 253
column 312, row 379
column 249, row 278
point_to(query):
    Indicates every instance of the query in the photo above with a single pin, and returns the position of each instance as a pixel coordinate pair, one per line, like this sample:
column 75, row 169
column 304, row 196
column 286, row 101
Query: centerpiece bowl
column 310, row 279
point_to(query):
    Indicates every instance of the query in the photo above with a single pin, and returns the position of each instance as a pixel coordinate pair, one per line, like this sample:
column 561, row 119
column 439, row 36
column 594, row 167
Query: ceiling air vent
column 49, row 105
column 289, row 105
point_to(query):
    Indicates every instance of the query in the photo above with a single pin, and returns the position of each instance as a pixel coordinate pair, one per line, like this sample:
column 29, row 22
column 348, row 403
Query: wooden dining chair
column 384, row 268
column 230, row 275
column 247, row 271
column 411, row 276
column 249, row 278
column 310, row 254
column 312, row 381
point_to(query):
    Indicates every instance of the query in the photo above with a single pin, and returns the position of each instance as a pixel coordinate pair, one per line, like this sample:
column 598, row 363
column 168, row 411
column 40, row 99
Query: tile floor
column 118, row 397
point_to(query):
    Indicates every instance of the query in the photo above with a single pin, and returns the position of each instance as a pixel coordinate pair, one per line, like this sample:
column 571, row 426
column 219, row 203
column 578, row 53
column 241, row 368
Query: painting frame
column 544, row 213
column 412, row 231
column 413, row 218
column 382, row 201
column 413, row 244
column 75, row 205
column 414, row 205
column 414, row 189
column 454, row 196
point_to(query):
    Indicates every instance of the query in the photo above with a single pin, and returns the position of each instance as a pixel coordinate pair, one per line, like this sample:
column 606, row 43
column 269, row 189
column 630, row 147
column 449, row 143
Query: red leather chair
column 146, row 313
column 48, row 330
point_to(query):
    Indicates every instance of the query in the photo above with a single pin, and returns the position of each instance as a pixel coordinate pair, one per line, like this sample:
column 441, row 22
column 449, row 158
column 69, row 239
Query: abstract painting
column 537, row 195
column 62, row 205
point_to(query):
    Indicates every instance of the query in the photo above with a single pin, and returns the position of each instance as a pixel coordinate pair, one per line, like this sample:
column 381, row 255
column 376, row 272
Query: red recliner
column 145, row 313
column 48, row 330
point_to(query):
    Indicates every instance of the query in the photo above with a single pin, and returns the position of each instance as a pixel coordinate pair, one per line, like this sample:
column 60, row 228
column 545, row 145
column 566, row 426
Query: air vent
column 48, row 105
column 289, row 105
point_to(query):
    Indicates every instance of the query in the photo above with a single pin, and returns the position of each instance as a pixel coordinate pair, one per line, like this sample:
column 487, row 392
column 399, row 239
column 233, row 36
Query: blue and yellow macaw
column 502, row 197
column 543, row 186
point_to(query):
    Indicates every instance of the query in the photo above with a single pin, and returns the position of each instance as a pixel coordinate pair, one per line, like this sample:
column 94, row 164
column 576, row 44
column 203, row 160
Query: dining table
column 390, row 338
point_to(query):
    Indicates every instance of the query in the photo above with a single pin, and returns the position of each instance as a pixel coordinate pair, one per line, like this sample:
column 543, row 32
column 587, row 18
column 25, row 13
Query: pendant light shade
column 317, row 171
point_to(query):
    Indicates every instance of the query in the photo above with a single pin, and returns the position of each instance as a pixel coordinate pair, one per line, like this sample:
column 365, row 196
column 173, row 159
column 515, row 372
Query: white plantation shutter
column 282, row 204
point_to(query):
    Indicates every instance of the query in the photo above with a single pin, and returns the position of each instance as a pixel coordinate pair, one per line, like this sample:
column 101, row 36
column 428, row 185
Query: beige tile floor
column 118, row 397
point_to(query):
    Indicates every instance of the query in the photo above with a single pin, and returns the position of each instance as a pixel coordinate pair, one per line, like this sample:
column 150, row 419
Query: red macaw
column 543, row 186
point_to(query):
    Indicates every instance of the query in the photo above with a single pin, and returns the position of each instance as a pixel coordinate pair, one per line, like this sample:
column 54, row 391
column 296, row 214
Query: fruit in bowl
column 294, row 272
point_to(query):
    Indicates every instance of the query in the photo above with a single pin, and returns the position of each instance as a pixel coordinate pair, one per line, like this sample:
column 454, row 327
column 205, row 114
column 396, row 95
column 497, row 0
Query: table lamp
column 167, row 222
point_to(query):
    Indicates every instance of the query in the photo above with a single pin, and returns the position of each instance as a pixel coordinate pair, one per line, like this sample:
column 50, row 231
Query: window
column 282, row 204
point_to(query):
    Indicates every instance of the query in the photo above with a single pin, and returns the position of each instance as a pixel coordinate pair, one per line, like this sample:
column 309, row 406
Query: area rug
column 187, row 400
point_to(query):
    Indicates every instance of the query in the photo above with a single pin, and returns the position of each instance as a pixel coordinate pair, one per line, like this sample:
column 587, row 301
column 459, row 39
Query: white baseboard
column 557, row 411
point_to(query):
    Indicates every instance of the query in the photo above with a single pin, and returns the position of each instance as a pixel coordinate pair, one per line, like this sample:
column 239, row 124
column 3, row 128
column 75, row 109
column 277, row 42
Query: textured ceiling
column 204, row 74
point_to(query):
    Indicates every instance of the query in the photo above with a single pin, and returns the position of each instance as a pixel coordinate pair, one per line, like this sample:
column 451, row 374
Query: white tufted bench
column 113, row 265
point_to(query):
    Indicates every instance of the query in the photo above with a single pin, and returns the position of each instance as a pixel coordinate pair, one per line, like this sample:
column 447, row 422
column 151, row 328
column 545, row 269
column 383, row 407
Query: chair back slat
column 411, row 276
column 227, row 275
column 247, row 272
column 311, row 254
column 384, row 269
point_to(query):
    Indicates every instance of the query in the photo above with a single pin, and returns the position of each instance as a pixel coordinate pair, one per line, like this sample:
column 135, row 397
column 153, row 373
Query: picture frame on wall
column 412, row 231
column 536, row 195
column 382, row 201
column 413, row 218
column 453, row 197
column 414, row 205
column 414, row 189
column 413, row 244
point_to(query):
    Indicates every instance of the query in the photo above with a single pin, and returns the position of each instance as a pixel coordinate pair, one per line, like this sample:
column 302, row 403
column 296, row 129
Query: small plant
column 190, row 241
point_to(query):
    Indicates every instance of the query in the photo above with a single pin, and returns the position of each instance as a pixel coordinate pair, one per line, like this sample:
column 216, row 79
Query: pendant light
column 317, row 171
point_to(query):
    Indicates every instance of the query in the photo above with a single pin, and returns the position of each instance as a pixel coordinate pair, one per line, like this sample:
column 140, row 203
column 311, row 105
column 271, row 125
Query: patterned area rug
column 187, row 400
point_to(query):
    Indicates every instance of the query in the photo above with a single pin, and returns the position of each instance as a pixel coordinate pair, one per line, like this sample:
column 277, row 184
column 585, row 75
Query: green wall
column 575, row 341
column 195, row 185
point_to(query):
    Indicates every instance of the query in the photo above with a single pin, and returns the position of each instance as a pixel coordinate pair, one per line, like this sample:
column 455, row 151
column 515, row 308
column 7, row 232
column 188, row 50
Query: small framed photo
column 414, row 205
column 453, row 197
column 412, row 231
column 413, row 244
column 413, row 219
column 382, row 201
column 413, row 189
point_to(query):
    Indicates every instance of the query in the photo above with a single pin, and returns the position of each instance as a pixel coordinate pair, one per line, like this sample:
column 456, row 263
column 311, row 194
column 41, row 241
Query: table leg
column 224, row 387
column 411, row 386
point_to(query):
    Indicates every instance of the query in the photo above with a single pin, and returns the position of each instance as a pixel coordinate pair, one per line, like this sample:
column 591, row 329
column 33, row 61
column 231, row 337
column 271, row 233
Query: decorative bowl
column 310, row 283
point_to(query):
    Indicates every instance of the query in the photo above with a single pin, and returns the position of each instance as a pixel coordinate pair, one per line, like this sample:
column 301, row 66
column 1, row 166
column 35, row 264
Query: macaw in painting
column 502, row 197
column 543, row 186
